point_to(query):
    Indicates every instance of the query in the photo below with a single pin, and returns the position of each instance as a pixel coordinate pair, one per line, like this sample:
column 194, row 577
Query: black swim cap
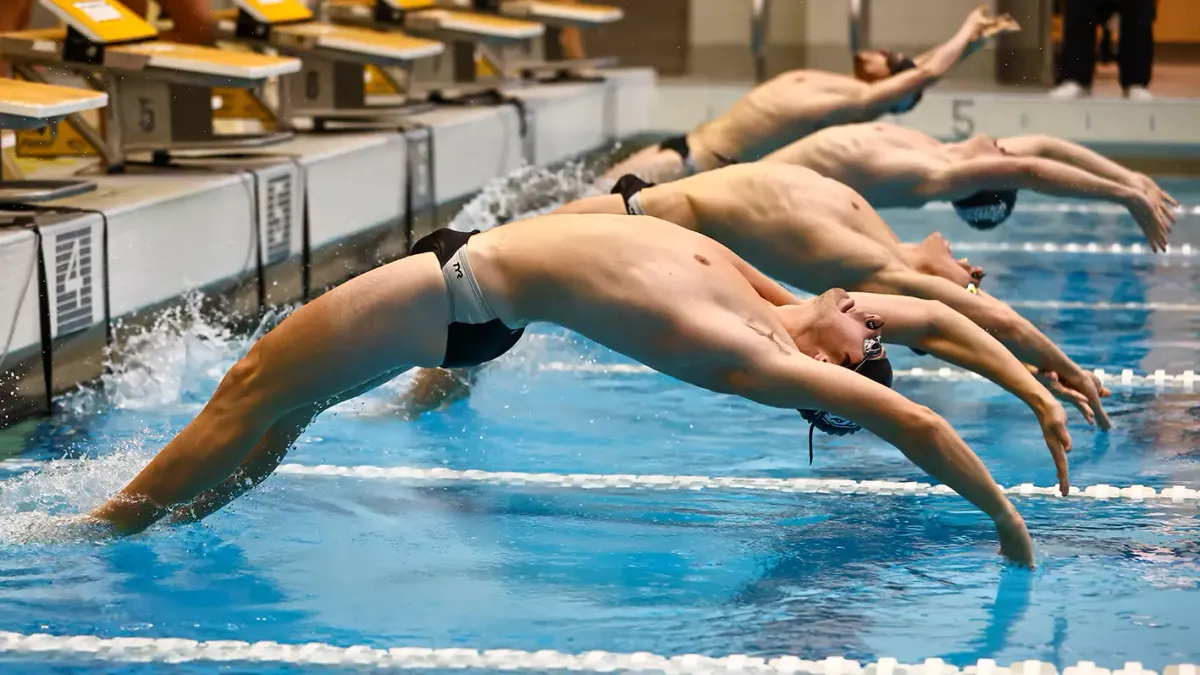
column 987, row 208
column 879, row 370
column 898, row 64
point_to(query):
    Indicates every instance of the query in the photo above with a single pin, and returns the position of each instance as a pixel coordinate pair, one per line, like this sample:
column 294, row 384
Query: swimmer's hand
column 1154, row 190
column 1053, row 419
column 1081, row 388
column 1154, row 215
column 1162, row 201
column 1015, row 542
column 1063, row 393
column 981, row 27
column 1004, row 23
column 1086, row 383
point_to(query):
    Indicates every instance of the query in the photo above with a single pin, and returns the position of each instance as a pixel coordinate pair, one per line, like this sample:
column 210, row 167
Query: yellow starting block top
column 482, row 25
column 562, row 12
column 193, row 59
column 274, row 12
column 101, row 21
column 392, row 46
column 44, row 101
column 291, row 29
column 406, row 5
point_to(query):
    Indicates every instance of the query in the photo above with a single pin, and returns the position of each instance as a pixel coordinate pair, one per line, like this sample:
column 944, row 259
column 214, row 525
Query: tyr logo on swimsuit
column 458, row 269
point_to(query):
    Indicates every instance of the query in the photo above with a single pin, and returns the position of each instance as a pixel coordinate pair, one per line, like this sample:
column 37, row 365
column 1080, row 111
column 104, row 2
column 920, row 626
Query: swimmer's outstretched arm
column 887, row 94
column 925, row 438
column 1012, row 330
column 935, row 328
column 1059, row 150
column 1048, row 177
column 981, row 28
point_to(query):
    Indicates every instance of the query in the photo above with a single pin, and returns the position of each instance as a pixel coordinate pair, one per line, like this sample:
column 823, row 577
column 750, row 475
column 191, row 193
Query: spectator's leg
column 572, row 44
column 193, row 19
column 14, row 16
column 1079, row 42
column 1135, row 54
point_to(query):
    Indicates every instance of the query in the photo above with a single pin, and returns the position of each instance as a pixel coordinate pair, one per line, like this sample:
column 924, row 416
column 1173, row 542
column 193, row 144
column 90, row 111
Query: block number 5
column 963, row 121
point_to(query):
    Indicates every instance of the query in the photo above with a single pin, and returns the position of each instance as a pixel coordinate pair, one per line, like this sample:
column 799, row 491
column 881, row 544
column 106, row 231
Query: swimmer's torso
column 884, row 162
column 634, row 284
column 775, row 113
column 790, row 222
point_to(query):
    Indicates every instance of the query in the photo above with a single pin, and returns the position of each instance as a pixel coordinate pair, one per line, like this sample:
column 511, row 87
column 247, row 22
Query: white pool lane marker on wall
column 87, row 648
column 1160, row 379
column 587, row 481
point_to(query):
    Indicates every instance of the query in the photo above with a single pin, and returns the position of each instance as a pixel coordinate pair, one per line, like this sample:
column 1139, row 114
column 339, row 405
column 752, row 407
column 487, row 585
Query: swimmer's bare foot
column 434, row 389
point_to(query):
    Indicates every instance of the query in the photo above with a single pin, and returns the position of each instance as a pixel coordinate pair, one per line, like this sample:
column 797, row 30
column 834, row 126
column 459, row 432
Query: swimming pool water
column 349, row 561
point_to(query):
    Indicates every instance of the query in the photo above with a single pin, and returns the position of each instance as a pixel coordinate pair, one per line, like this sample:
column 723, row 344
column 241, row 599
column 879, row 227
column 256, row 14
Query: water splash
column 44, row 506
column 177, row 359
column 527, row 192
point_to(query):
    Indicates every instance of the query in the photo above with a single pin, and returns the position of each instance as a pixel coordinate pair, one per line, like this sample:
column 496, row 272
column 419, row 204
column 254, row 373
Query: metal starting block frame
column 160, row 93
column 330, row 84
column 30, row 105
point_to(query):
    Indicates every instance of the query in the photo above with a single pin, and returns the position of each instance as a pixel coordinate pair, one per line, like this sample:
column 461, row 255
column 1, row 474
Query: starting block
column 160, row 93
column 29, row 105
column 336, row 60
column 479, row 38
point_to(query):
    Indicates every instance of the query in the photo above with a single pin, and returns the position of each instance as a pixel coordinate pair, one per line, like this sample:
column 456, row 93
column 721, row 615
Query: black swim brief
column 679, row 145
column 482, row 336
column 628, row 186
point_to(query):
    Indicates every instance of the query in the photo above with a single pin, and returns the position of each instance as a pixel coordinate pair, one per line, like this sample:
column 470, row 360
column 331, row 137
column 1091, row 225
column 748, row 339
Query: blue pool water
column 346, row 561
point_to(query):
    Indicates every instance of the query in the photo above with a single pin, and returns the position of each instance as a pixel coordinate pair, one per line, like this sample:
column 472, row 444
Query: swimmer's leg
column 653, row 164
column 385, row 321
column 266, row 455
column 436, row 388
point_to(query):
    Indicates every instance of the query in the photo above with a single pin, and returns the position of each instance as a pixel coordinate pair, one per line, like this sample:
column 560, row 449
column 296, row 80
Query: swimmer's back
column 854, row 154
column 777, row 112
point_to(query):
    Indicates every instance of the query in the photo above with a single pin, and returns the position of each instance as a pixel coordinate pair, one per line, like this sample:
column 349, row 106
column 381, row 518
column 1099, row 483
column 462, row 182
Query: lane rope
column 1181, row 251
column 1187, row 380
column 1106, row 306
column 586, row 481
column 78, row 648
column 1076, row 207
